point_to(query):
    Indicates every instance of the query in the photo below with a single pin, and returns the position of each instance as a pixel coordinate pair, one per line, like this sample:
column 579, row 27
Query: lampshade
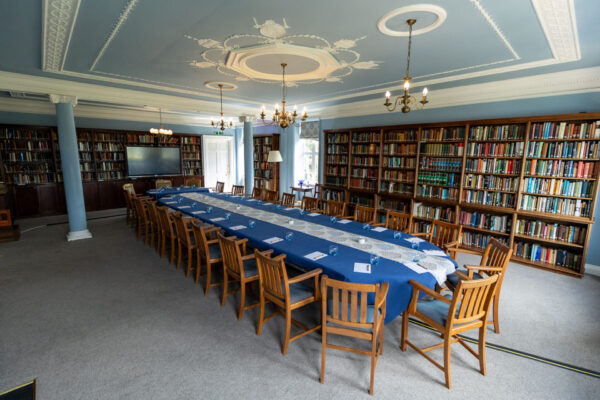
column 274, row 156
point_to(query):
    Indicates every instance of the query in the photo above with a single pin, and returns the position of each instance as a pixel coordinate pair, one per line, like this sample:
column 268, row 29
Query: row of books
column 364, row 173
column 28, row 168
column 336, row 170
column 560, row 168
column 397, row 187
column 432, row 134
column 110, row 175
column 491, row 182
column 400, row 149
column 109, row 137
column 551, row 231
column 438, row 178
column 190, row 148
column 365, row 160
column 401, row 136
column 110, row 156
column 359, row 183
column 24, row 179
column 565, row 130
column 329, row 194
column 564, row 149
column 399, row 175
column 497, row 132
column 434, row 212
column 263, row 173
column 191, row 140
column 88, row 156
column 84, row 136
column 26, row 156
column 493, row 166
column 109, row 165
column 11, row 133
column 192, row 172
column 394, row 205
column 443, row 164
column 85, row 176
column 438, row 192
column 337, row 138
column 486, row 198
column 84, row 146
column 333, row 159
column 487, row 149
column 555, row 205
column 335, row 181
column 109, row 146
column 399, row 162
column 365, row 149
column 362, row 201
column 535, row 252
column 86, row 166
column 337, row 149
column 24, row 145
column 479, row 240
column 499, row 223
column 421, row 226
column 370, row 137
column 442, row 149
column 558, row 187
column 192, row 164
column 261, row 165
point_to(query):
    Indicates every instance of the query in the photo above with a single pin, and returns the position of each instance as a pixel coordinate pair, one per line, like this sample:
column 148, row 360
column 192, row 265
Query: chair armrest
column 450, row 246
column 480, row 268
column 306, row 275
column 463, row 276
column 382, row 295
column 214, row 241
column 379, row 224
column 248, row 257
column 467, row 251
column 422, row 288
column 418, row 234
column 350, row 217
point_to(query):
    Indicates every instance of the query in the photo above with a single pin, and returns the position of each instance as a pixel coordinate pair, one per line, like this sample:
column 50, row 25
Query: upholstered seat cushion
column 435, row 310
column 453, row 278
column 300, row 291
column 250, row 268
column 214, row 251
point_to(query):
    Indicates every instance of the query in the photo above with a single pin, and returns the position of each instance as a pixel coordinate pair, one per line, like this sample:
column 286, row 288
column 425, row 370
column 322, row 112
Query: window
column 307, row 161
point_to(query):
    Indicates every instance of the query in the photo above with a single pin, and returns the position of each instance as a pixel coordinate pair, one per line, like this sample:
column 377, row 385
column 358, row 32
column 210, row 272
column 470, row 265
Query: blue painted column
column 248, row 155
column 288, row 138
column 238, row 150
column 321, row 155
column 69, row 158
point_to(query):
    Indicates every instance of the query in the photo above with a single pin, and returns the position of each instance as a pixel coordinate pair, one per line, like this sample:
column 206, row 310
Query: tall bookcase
column 266, row 174
column 529, row 182
column 109, row 152
column 191, row 155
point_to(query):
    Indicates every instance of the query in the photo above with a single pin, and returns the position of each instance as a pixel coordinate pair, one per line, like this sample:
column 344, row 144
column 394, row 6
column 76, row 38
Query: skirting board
column 78, row 235
column 592, row 269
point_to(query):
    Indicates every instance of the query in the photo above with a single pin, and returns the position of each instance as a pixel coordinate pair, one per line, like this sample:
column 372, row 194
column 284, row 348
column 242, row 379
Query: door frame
column 232, row 161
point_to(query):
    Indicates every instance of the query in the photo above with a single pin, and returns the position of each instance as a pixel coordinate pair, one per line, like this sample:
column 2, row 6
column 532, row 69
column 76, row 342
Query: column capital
column 62, row 98
column 246, row 118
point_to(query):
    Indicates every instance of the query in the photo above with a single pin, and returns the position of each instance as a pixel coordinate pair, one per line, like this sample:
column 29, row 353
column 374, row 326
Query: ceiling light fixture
column 283, row 118
column 221, row 123
column 406, row 99
column 160, row 130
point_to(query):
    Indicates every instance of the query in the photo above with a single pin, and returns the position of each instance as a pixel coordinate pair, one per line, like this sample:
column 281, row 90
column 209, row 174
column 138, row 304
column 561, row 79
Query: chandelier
column 406, row 99
column 283, row 118
column 160, row 130
column 221, row 124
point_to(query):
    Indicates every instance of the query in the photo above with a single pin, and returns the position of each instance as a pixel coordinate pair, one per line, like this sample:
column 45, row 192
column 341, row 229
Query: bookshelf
column 87, row 163
column 266, row 175
column 191, row 155
column 109, row 151
column 530, row 182
column 27, row 155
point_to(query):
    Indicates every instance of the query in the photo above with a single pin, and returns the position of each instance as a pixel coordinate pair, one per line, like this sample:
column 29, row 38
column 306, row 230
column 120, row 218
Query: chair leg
column 381, row 340
column 188, row 268
column 261, row 314
column 288, row 326
column 242, row 299
column 225, row 287
column 482, row 334
column 163, row 243
column 404, row 331
column 323, row 351
column 208, row 277
column 447, row 344
column 496, row 323
column 198, row 266
column 179, row 251
column 172, row 253
column 373, row 362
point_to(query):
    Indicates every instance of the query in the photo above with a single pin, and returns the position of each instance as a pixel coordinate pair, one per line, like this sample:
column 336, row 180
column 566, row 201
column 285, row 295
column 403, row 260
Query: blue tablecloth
column 158, row 193
column 338, row 267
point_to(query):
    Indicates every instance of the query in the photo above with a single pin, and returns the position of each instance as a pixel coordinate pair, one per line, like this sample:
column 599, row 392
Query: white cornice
column 58, row 21
column 59, row 98
column 557, row 18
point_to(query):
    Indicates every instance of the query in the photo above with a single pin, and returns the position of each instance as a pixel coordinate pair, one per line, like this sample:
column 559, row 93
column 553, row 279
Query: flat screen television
column 145, row 161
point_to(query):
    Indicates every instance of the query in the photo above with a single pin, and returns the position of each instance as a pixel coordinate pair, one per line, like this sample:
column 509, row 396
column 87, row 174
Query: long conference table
column 169, row 191
column 403, row 257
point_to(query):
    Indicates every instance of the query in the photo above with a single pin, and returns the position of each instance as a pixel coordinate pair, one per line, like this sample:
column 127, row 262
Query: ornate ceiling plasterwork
column 315, row 58
column 58, row 21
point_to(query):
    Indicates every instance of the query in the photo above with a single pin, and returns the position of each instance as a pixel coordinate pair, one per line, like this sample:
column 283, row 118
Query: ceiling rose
column 214, row 85
column 426, row 8
column 251, row 56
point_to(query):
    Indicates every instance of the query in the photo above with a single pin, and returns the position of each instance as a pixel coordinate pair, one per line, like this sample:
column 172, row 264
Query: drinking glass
column 227, row 216
column 209, row 210
column 302, row 212
column 289, row 236
column 397, row 235
column 366, row 227
column 373, row 259
column 252, row 223
column 333, row 250
column 414, row 246
column 332, row 219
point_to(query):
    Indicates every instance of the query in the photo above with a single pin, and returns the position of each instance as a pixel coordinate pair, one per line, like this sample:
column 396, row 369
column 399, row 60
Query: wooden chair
column 468, row 309
column 144, row 225
column 185, row 240
column 237, row 190
column 193, row 181
column 257, row 193
column 318, row 191
column 208, row 251
column 310, row 204
column 238, row 266
column 220, row 187
column 365, row 215
column 335, row 208
column 168, row 235
column 288, row 199
column 128, row 190
column 444, row 235
column 286, row 294
column 347, row 313
column 398, row 221
column 155, row 225
column 271, row 196
column 494, row 261
column 163, row 183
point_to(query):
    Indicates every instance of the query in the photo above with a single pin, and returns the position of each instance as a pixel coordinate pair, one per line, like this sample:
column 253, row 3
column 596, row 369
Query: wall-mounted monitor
column 153, row 161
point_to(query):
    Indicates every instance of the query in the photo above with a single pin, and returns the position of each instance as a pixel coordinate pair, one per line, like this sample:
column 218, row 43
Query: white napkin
column 363, row 268
column 315, row 255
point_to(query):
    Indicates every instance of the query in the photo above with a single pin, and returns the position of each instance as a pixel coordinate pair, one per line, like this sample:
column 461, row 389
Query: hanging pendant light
column 221, row 124
column 160, row 130
column 283, row 118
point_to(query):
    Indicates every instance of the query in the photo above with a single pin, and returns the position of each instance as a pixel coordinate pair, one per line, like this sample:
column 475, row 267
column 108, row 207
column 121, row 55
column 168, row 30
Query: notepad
column 414, row 240
column 363, row 268
column 273, row 240
column 313, row 214
column 267, row 204
column 199, row 212
column 435, row 253
column 237, row 227
column 315, row 255
column 182, row 207
column 218, row 219
column 379, row 229
column 344, row 221
column 252, row 200
column 170, row 202
column 288, row 208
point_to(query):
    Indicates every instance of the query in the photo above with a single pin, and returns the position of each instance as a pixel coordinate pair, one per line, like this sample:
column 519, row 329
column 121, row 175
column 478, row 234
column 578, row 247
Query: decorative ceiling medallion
column 214, row 85
column 427, row 8
column 252, row 56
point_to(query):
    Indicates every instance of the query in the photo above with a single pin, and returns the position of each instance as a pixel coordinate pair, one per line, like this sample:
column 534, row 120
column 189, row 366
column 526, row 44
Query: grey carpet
column 105, row 318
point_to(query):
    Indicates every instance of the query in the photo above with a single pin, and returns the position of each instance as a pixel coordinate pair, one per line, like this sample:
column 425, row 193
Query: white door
column 217, row 156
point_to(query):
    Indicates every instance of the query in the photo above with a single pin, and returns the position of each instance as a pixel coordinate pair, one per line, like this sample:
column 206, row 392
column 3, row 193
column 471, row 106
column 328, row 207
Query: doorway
column 217, row 159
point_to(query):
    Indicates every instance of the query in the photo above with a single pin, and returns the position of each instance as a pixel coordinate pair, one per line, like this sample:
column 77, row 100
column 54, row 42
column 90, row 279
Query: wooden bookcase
column 266, row 175
column 191, row 155
column 530, row 182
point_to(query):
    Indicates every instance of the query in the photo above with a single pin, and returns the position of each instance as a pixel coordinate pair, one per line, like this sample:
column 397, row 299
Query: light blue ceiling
column 154, row 43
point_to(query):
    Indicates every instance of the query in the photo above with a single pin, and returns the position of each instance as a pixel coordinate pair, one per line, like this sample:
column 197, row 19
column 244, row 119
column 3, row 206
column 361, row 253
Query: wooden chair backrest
column 398, row 221
column 273, row 275
column 127, row 195
column 161, row 183
column 128, row 187
column 141, row 208
column 220, row 187
column 349, row 302
column 288, row 199
column 365, row 214
column 271, row 196
column 471, row 301
column 496, row 254
column 318, row 191
column 257, row 193
column 232, row 256
column 202, row 234
column 166, row 221
column 333, row 208
column 5, row 219
column 153, row 212
column 237, row 190
column 182, row 229
column 443, row 233
column 193, row 181
column 310, row 203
